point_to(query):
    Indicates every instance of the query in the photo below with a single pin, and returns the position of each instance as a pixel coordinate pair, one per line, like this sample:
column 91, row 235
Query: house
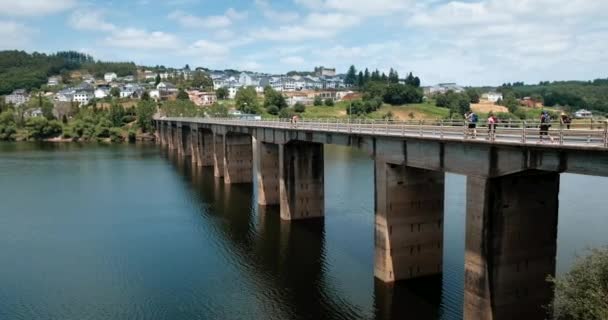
column 131, row 91
column 110, row 76
column 129, row 79
column 33, row 113
column 443, row 88
column 583, row 114
column 166, row 86
column 202, row 98
column 18, row 97
column 245, row 79
column 492, row 96
column 83, row 97
column 101, row 92
column 54, row 81
column 325, row 72
column 88, row 78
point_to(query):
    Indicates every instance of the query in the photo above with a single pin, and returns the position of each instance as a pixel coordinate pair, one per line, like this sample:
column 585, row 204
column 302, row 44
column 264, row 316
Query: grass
column 404, row 112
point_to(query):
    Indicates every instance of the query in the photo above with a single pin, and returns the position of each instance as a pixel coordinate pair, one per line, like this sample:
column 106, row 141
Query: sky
column 471, row 42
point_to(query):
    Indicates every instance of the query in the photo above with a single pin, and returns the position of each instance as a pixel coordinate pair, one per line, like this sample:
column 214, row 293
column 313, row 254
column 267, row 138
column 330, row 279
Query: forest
column 22, row 70
column 573, row 95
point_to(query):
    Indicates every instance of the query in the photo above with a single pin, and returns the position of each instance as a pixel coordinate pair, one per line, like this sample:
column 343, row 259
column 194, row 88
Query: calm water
column 129, row 232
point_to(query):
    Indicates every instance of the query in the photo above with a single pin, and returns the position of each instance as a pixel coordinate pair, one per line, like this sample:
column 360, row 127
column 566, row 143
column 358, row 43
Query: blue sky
column 472, row 42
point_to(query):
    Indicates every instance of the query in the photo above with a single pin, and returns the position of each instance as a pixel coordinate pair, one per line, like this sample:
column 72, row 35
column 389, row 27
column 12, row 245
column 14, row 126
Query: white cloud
column 276, row 15
column 14, row 35
column 359, row 7
column 34, row 7
column 141, row 39
column 208, row 48
column 236, row 15
column 293, row 60
column 84, row 19
column 191, row 21
column 314, row 26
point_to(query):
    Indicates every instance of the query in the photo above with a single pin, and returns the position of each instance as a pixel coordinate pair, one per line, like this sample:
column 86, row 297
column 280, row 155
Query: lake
column 132, row 232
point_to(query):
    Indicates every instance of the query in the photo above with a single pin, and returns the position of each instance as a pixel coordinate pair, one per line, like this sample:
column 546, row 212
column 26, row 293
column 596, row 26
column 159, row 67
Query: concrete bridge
column 512, row 192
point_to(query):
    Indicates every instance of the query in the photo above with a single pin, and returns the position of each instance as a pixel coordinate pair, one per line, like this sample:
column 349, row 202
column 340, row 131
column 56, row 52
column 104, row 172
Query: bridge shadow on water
column 289, row 260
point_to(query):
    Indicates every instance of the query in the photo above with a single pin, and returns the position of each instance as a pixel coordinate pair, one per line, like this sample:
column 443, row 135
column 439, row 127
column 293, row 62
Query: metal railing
column 511, row 132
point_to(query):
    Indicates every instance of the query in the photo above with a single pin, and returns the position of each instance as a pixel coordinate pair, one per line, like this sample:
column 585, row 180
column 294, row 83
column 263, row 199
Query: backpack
column 546, row 118
column 474, row 118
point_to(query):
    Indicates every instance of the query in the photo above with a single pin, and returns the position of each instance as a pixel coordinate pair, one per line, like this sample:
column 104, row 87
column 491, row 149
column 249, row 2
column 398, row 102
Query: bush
column 40, row 128
column 274, row 110
column 8, row 127
column 116, row 135
column 299, row 108
column 286, row 113
column 128, row 119
column 132, row 136
column 329, row 102
column 582, row 293
column 318, row 101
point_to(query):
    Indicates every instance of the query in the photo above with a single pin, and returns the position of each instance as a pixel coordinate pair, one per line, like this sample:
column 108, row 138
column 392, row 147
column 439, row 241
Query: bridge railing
column 514, row 131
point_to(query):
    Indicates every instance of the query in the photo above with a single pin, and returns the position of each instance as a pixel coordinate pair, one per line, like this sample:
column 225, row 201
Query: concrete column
column 238, row 159
column 172, row 137
column 179, row 140
column 511, row 242
column 205, row 149
column 218, row 155
column 186, row 141
column 301, row 181
column 267, row 172
column 409, row 222
column 194, row 145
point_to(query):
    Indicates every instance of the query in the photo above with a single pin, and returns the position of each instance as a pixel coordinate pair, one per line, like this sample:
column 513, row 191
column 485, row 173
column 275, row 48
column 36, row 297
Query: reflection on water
column 131, row 232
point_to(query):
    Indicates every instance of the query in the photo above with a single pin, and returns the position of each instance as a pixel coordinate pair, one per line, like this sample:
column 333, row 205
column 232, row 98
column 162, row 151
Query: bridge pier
column 511, row 242
column 185, row 141
column 301, row 180
column 218, row 155
column 409, row 222
column 171, row 136
column 205, row 148
column 238, row 158
column 194, row 145
column 267, row 172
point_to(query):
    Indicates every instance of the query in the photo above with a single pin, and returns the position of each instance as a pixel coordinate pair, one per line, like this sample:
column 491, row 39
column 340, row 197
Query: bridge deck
column 584, row 137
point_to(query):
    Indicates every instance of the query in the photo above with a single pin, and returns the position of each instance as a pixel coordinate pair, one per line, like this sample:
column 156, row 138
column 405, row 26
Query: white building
column 54, row 81
column 492, row 96
column 245, row 79
column 101, row 93
column 583, row 114
column 232, row 92
column 18, row 97
column 82, row 97
column 166, row 86
column 110, row 76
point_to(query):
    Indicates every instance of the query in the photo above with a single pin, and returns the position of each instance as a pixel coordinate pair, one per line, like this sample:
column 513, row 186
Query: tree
column 116, row 114
column 246, row 100
column 360, row 80
column 115, row 92
column 286, row 113
column 274, row 110
column 510, row 102
column 145, row 96
column 351, row 76
column 201, row 80
column 318, row 101
column 39, row 128
column 217, row 110
column 329, row 102
column 582, row 293
column 221, row 93
column 474, row 95
column 366, row 76
column 299, row 107
column 182, row 95
column 8, row 126
column 393, row 76
column 157, row 80
column 274, row 98
column 398, row 94
column 145, row 111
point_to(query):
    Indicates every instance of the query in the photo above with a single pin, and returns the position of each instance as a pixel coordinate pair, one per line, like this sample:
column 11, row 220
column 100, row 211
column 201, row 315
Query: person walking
column 545, row 124
column 565, row 120
column 492, row 121
column 472, row 120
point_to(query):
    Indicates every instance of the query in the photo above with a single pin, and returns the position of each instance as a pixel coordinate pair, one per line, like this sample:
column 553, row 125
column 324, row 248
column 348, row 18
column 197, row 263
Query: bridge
column 512, row 191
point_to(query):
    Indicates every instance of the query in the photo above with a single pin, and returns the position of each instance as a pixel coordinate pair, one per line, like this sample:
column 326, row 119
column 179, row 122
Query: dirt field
column 487, row 107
